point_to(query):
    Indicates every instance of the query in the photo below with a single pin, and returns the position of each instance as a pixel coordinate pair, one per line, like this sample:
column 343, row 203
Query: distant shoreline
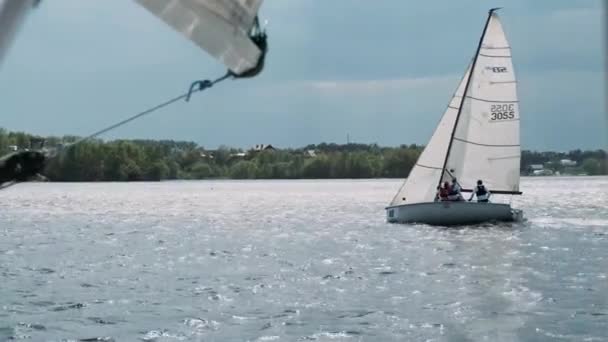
column 156, row 160
column 284, row 179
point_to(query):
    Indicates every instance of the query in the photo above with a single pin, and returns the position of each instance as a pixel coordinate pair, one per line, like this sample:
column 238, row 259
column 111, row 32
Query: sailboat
column 476, row 139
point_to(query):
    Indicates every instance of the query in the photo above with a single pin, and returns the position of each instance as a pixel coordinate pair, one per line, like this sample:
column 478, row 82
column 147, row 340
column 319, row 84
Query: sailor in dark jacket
column 483, row 194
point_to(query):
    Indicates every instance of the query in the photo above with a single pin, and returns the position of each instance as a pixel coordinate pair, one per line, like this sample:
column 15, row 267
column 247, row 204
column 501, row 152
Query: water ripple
column 296, row 260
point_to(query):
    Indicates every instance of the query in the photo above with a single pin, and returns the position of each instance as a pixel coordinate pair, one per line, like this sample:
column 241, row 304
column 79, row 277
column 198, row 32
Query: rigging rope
column 196, row 86
column 17, row 167
column 12, row 172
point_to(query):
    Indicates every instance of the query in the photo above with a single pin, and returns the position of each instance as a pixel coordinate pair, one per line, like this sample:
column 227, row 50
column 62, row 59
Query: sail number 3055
column 502, row 111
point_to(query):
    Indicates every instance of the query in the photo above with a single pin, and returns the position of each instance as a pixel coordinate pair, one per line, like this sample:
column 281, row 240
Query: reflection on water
column 296, row 260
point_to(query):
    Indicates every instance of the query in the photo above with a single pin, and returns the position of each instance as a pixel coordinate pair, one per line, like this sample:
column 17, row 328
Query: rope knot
column 198, row 86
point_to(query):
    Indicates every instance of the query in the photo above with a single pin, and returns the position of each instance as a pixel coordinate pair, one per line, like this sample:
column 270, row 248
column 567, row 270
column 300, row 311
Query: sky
column 380, row 71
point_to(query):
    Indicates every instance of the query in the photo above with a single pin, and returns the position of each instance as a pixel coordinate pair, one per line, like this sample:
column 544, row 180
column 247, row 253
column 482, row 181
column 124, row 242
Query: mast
column 464, row 93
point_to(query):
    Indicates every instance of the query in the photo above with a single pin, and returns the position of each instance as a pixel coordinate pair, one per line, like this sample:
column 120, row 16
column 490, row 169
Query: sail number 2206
column 502, row 111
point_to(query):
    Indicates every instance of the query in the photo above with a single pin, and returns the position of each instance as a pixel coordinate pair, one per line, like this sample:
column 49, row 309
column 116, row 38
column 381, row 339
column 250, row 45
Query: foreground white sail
column 220, row 27
column 226, row 29
column 477, row 138
column 12, row 15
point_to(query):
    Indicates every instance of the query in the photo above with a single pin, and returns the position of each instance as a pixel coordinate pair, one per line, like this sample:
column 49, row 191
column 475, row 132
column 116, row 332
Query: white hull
column 452, row 213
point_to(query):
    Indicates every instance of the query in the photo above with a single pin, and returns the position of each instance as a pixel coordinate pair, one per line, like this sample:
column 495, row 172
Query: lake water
column 296, row 261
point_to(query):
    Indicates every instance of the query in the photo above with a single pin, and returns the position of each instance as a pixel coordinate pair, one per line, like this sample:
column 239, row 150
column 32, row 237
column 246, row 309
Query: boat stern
column 517, row 215
column 391, row 214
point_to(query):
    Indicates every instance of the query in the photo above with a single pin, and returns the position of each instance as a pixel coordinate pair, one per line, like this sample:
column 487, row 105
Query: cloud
column 555, row 116
column 356, row 90
column 373, row 87
column 381, row 71
column 560, row 39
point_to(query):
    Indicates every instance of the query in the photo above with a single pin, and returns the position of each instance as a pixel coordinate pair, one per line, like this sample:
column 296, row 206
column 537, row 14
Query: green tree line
column 152, row 160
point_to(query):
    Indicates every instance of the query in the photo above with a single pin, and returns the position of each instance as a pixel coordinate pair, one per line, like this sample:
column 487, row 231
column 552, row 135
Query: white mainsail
column 483, row 141
column 486, row 140
column 220, row 27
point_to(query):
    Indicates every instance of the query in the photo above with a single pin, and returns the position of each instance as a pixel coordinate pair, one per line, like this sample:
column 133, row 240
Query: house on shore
column 567, row 162
column 538, row 170
column 262, row 147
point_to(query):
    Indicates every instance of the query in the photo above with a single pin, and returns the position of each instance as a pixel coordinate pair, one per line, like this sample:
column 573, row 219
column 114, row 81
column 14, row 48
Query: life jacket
column 443, row 193
column 454, row 194
column 482, row 193
column 454, row 190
